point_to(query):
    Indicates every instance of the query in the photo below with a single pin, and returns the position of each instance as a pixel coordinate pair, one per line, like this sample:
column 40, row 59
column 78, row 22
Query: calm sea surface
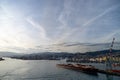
column 12, row 69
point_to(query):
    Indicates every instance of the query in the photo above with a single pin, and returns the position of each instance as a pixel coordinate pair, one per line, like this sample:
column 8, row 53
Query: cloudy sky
column 58, row 25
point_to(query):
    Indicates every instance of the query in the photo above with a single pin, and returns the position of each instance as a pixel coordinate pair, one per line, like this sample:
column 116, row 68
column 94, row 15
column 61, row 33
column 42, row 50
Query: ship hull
column 81, row 68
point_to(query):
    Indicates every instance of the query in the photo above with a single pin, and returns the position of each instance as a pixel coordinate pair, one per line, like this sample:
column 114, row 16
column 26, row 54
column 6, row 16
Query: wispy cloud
column 101, row 15
column 109, row 37
column 40, row 28
column 57, row 25
column 63, row 18
column 42, row 36
column 82, row 28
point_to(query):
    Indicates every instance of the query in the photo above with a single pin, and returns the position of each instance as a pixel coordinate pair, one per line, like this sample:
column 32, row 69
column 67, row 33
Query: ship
column 88, row 69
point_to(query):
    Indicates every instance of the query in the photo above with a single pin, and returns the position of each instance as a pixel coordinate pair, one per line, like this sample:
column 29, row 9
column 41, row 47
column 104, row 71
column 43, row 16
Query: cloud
column 63, row 18
column 69, row 33
column 82, row 29
column 13, row 31
column 101, row 15
column 109, row 37
column 92, row 20
column 57, row 26
column 40, row 29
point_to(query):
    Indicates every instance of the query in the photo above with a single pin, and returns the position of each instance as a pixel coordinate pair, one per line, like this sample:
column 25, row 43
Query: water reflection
column 109, row 77
column 11, row 69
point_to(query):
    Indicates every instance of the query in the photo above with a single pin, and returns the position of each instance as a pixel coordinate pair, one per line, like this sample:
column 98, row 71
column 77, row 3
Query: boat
column 89, row 69
column 1, row 59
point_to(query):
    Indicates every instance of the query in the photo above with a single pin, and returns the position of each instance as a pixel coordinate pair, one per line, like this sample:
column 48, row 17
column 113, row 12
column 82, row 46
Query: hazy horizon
column 28, row 26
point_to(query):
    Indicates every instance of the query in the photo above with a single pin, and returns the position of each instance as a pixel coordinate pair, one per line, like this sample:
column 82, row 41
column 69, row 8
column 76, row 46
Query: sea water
column 15, row 69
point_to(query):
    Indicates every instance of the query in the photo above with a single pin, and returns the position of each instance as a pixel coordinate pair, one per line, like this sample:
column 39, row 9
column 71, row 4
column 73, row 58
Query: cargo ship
column 89, row 69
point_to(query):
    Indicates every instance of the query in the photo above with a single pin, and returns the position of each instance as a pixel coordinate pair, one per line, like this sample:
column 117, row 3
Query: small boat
column 79, row 67
column 1, row 59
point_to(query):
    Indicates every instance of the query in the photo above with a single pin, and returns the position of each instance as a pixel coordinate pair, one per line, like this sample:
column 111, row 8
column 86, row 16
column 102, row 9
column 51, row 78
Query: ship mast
column 109, row 57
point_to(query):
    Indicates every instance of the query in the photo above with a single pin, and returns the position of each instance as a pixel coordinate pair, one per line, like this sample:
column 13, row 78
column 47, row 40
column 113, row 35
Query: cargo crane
column 109, row 60
column 109, row 57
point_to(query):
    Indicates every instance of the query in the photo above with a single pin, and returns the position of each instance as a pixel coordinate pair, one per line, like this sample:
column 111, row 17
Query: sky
column 28, row 26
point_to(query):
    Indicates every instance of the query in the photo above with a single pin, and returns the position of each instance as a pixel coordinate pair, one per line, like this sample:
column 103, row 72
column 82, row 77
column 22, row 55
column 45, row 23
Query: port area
column 89, row 69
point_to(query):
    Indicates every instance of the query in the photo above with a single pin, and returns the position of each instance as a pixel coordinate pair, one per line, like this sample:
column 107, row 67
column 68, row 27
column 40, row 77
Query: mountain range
column 63, row 55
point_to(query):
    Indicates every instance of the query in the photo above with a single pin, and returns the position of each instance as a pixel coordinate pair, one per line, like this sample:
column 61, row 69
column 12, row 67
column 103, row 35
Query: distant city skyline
column 58, row 25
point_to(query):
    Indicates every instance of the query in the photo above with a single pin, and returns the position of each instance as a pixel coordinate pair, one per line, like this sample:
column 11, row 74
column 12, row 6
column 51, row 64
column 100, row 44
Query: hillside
column 63, row 55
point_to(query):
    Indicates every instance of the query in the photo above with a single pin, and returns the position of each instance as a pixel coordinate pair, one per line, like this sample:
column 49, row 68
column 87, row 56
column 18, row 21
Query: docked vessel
column 79, row 67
